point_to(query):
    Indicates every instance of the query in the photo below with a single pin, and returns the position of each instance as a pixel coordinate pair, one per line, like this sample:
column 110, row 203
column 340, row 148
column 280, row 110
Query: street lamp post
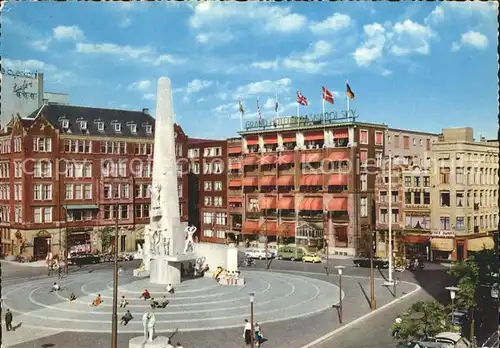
column 389, row 281
column 373, row 301
column 252, row 330
column 114, row 328
column 453, row 293
column 339, row 270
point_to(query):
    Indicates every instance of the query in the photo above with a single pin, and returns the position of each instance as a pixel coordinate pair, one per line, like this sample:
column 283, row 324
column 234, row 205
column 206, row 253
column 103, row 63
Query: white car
column 258, row 254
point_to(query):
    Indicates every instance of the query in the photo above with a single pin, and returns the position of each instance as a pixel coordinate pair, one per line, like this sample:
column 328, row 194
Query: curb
column 360, row 319
column 25, row 264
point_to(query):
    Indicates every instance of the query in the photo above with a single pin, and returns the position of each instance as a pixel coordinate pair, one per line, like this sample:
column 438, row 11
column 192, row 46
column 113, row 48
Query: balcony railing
column 253, row 215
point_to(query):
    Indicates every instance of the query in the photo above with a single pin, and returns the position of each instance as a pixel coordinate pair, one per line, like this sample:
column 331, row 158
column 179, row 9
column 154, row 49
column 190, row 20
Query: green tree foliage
column 420, row 321
column 106, row 236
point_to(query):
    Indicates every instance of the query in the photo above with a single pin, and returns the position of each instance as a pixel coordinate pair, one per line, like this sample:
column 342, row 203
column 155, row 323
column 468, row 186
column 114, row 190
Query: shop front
column 416, row 246
column 481, row 243
column 442, row 248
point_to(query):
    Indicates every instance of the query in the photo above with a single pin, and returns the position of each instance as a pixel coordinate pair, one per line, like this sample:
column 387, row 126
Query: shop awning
column 268, row 159
column 268, row 228
column 443, row 244
column 251, row 181
column 415, row 239
column 338, row 180
column 234, row 183
column 268, row 180
column 338, row 204
column 267, row 203
column 478, row 244
column 236, row 165
column 311, row 204
column 286, row 203
column 250, row 161
column 286, row 229
column 311, row 180
column 317, row 135
column 286, row 180
column 80, row 206
column 252, row 140
column 310, row 157
column 288, row 137
column 338, row 156
column 234, row 150
column 250, row 227
column 235, row 199
column 286, row 158
column 340, row 133
column 270, row 139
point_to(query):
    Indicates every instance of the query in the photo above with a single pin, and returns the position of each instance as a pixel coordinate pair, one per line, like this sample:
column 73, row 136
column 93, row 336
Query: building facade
column 68, row 174
column 445, row 206
column 309, row 182
column 208, row 188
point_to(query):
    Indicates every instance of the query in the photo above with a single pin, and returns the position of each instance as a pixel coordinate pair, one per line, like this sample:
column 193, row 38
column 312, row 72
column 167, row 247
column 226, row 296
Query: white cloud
column 222, row 96
column 372, row 48
column 386, row 73
column 72, row 32
column 472, row 39
column 436, row 16
column 270, row 104
column 271, row 18
column 149, row 96
column 31, row 65
column 215, row 37
column 197, row 85
column 411, row 37
column 143, row 85
column 309, row 61
column 336, row 22
column 265, row 87
column 266, row 65
column 41, row 45
column 200, row 100
column 143, row 54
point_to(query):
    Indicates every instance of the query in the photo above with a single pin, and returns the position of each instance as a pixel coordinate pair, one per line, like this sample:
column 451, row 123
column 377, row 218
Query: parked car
column 258, row 254
column 81, row 259
column 365, row 262
column 290, row 253
column 311, row 258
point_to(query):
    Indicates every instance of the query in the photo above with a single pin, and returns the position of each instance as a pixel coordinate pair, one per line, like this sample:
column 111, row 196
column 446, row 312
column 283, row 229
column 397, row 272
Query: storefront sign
column 312, row 119
column 19, row 73
column 443, row 244
column 20, row 90
column 443, row 233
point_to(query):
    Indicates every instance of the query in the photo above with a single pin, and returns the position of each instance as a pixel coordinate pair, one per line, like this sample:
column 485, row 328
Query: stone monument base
column 138, row 342
column 140, row 273
column 167, row 269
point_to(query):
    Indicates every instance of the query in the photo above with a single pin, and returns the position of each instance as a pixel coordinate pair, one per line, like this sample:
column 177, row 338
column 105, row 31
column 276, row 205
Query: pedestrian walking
column 8, row 320
column 258, row 335
column 247, row 332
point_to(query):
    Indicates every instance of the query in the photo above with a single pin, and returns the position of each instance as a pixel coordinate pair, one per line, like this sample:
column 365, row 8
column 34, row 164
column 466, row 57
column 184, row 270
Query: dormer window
column 65, row 124
column 83, row 125
column 100, row 126
column 118, row 127
column 149, row 129
column 133, row 128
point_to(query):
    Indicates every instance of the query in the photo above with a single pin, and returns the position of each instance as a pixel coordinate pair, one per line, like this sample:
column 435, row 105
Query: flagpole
column 277, row 105
column 241, row 121
column 347, row 97
column 323, row 104
column 298, row 112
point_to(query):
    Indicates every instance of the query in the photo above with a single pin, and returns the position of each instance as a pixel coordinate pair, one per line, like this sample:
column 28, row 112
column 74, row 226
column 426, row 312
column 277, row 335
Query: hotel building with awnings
column 296, row 182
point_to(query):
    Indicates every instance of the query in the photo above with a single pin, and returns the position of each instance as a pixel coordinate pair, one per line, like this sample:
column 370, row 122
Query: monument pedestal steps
column 139, row 342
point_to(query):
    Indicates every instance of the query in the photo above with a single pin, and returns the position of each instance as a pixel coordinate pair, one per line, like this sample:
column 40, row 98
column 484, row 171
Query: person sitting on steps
column 55, row 287
column 164, row 302
column 145, row 295
column 71, row 297
column 154, row 304
column 97, row 301
column 170, row 288
column 123, row 302
column 126, row 318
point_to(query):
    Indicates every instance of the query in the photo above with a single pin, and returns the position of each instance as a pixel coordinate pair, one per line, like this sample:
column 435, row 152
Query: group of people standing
column 247, row 334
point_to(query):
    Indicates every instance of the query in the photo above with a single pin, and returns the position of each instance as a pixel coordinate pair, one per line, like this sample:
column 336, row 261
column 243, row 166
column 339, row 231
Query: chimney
column 145, row 111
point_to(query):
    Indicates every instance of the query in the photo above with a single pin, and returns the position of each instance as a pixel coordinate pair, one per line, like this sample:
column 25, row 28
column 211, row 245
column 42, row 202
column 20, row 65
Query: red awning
column 287, row 203
column 235, row 183
column 250, row 227
column 338, row 156
column 267, row 203
column 286, row 158
column 236, row 165
column 268, row 180
column 311, row 180
column 235, row 199
column 415, row 239
column 286, row 180
column 286, row 229
column 310, row 157
column 338, row 204
column 252, row 140
column 251, row 181
column 268, row 159
column 340, row 133
column 315, row 203
column 268, row 228
column 338, row 180
column 270, row 139
column 288, row 137
column 250, row 161
column 234, row 150
column 318, row 135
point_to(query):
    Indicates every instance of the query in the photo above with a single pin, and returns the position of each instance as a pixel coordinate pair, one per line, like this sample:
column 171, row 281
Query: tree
column 106, row 235
column 420, row 321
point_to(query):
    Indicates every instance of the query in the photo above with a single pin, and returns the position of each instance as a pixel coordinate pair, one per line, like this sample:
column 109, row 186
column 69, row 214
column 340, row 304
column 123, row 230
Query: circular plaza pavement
column 198, row 304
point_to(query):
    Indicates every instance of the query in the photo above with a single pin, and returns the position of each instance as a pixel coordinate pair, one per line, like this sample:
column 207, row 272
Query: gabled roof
column 56, row 113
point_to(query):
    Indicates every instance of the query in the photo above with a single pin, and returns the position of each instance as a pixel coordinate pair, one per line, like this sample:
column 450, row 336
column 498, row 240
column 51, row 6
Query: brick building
column 208, row 188
column 299, row 182
column 70, row 170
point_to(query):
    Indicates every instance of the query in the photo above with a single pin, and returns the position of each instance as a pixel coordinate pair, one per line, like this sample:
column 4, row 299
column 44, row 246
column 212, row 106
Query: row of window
column 364, row 138
column 485, row 198
column 207, row 152
column 212, row 185
column 215, row 167
column 473, row 176
column 117, row 126
column 214, row 218
column 406, row 142
column 210, row 233
column 210, row 201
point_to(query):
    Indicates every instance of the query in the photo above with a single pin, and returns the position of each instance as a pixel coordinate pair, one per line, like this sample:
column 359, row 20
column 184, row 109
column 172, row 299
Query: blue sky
column 422, row 66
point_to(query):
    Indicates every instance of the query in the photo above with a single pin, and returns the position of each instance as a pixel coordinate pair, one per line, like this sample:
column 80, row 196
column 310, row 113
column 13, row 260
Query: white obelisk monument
column 165, row 236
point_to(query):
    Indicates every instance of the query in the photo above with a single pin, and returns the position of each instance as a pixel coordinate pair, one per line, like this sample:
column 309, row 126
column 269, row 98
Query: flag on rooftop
column 242, row 111
column 349, row 92
column 327, row 95
column 277, row 105
column 301, row 99
column 258, row 109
